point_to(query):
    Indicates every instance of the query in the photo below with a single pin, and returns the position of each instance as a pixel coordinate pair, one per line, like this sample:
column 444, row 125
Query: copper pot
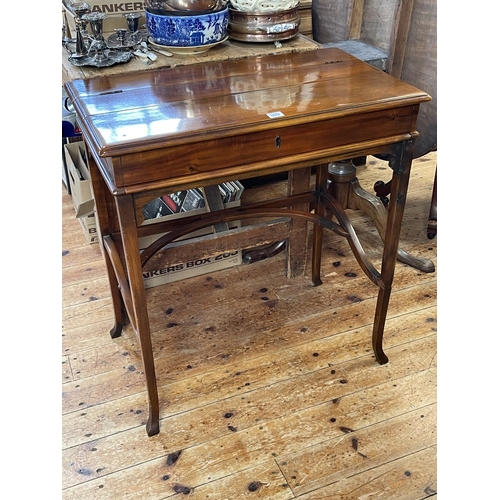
column 263, row 26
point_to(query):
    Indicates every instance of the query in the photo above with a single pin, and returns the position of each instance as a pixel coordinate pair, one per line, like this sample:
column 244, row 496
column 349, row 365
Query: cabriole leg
column 128, row 229
column 401, row 165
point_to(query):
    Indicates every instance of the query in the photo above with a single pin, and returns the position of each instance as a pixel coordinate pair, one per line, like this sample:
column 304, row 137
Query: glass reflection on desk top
column 192, row 100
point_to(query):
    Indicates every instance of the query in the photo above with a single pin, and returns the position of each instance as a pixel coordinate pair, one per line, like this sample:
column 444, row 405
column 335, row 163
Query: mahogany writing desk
column 155, row 132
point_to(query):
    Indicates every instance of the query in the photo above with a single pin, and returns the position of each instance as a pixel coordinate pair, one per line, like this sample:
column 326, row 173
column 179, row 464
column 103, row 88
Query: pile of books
column 190, row 199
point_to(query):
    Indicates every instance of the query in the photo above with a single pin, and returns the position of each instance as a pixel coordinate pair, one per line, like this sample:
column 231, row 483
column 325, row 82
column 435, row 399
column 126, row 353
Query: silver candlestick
column 98, row 45
column 79, row 10
column 132, row 19
column 99, row 54
column 66, row 32
column 96, row 20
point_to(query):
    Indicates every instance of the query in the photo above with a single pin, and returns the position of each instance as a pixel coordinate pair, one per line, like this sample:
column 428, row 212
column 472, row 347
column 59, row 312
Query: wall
column 405, row 29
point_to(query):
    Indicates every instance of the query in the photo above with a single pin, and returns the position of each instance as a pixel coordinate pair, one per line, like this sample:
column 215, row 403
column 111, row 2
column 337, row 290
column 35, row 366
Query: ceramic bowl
column 188, row 29
column 166, row 6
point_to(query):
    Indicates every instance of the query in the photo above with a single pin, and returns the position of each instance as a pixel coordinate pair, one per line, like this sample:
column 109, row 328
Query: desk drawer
column 247, row 150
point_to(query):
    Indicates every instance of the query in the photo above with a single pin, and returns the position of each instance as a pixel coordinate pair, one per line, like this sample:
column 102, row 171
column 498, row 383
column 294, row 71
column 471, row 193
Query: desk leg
column 128, row 228
column 105, row 217
column 296, row 246
column 321, row 184
column 401, row 166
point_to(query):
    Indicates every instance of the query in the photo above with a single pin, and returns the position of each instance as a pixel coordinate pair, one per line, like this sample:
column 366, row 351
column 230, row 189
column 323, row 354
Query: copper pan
column 263, row 26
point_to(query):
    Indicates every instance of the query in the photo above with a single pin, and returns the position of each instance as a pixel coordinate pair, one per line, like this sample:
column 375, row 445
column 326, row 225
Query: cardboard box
column 81, row 189
column 184, row 270
column 79, row 178
column 89, row 228
column 177, row 271
column 114, row 11
column 65, row 173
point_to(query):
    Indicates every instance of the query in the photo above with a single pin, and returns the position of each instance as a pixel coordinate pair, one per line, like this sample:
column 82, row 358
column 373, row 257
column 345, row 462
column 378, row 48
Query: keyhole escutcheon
column 277, row 141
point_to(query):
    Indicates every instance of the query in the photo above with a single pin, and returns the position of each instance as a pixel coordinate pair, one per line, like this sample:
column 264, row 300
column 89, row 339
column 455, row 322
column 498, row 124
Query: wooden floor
column 268, row 387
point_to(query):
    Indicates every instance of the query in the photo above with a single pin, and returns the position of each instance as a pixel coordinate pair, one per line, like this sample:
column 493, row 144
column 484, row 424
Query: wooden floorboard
column 268, row 386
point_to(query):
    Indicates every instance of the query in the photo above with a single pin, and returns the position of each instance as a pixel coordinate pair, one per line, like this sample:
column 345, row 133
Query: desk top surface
column 135, row 112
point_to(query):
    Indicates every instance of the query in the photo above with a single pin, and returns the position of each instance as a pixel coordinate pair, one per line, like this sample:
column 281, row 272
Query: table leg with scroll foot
column 135, row 302
column 264, row 252
column 374, row 207
column 107, row 225
column 400, row 163
column 117, row 301
column 379, row 324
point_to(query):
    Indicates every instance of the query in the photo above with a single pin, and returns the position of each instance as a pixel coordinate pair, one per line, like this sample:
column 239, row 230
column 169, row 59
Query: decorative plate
column 186, row 51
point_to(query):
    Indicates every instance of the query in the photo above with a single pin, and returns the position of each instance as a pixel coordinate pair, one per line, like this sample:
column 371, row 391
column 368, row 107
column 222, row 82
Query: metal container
column 263, row 26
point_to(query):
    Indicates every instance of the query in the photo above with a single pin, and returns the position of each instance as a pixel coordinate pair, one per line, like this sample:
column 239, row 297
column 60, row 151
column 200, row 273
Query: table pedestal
column 346, row 189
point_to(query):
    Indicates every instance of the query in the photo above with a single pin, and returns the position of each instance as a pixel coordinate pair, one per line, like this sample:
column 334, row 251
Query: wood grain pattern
column 265, row 399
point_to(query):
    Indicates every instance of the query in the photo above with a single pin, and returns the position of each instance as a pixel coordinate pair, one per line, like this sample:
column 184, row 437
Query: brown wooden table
column 162, row 131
